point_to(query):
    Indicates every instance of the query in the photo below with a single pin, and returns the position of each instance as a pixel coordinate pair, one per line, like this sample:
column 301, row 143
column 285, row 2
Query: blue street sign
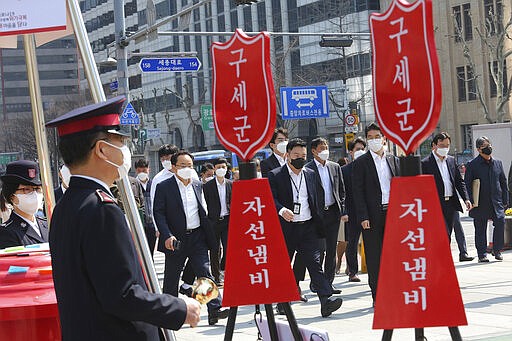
column 129, row 116
column 114, row 86
column 189, row 64
column 304, row 102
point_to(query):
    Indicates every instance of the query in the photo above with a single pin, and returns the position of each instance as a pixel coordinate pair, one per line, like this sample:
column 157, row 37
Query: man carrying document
column 487, row 186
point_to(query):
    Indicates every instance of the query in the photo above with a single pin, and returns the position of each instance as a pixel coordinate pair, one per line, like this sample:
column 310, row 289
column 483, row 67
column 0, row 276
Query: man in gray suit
column 331, row 200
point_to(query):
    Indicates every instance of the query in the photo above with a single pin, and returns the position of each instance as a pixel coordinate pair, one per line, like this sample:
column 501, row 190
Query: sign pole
column 38, row 117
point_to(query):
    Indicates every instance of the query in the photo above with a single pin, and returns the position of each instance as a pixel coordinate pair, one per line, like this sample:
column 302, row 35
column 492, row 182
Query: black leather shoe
column 465, row 258
column 303, row 298
column 354, row 278
column 215, row 316
column 335, row 291
column 498, row 256
column 280, row 309
column 330, row 305
column 483, row 259
column 186, row 292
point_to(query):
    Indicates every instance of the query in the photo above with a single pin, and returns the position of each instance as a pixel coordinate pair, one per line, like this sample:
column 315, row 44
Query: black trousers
column 150, row 232
column 498, row 235
column 452, row 220
column 354, row 232
column 195, row 249
column 302, row 238
column 373, row 238
column 221, row 236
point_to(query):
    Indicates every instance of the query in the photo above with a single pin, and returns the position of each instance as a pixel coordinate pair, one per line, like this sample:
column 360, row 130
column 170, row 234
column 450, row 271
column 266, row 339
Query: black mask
column 298, row 163
column 487, row 150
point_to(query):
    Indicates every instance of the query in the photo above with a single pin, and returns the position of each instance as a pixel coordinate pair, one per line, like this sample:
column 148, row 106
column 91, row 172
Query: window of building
column 493, row 12
column 247, row 19
column 466, row 84
column 462, row 24
column 261, row 12
column 220, row 6
column 493, row 88
column 467, row 140
column 234, row 19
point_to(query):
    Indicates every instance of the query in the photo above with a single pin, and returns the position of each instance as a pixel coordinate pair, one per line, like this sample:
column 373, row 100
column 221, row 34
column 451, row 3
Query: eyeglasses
column 29, row 190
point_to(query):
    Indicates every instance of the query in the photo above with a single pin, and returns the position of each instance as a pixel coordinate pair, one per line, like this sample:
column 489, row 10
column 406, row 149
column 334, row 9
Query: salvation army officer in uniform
column 101, row 292
column 21, row 188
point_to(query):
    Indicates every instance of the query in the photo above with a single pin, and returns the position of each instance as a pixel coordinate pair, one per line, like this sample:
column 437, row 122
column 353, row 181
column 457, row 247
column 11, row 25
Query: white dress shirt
column 298, row 182
column 384, row 174
column 221, row 189
column 280, row 159
column 323, row 171
column 188, row 197
column 445, row 175
column 164, row 174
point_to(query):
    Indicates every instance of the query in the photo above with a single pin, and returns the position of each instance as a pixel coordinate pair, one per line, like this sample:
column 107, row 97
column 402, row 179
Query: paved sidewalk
column 486, row 292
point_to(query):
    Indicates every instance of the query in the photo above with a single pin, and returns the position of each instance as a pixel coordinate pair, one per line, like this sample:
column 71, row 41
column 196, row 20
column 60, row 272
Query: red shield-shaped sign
column 244, row 108
column 406, row 81
column 258, row 269
column 418, row 285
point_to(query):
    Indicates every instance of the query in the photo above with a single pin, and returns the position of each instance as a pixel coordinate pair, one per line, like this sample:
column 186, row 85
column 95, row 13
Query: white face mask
column 443, row 151
column 281, row 147
column 185, row 173
column 142, row 176
column 358, row 153
column 167, row 164
column 221, row 172
column 375, row 145
column 324, row 154
column 208, row 179
column 127, row 157
column 29, row 203
column 66, row 175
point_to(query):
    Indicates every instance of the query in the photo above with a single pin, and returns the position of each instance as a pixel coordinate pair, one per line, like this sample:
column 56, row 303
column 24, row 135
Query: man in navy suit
column 352, row 227
column 492, row 198
column 371, row 183
column 278, row 146
column 294, row 191
column 185, row 232
column 217, row 193
column 331, row 202
column 449, row 182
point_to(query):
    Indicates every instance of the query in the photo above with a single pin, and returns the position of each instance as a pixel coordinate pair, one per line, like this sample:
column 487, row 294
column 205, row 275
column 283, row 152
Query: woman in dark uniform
column 21, row 187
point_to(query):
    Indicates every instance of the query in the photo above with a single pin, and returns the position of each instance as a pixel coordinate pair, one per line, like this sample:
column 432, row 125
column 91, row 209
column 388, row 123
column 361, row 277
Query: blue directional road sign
column 304, row 102
column 129, row 116
column 190, row 64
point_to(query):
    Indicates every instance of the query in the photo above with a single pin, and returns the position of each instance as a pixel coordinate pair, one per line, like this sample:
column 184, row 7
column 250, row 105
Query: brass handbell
column 204, row 290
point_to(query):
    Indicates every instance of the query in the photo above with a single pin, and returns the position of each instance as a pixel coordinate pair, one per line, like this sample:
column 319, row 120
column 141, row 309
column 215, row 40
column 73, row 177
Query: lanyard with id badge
column 296, row 203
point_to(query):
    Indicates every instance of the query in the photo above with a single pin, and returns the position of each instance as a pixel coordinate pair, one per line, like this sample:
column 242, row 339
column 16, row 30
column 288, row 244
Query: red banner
column 406, row 80
column 244, row 108
column 418, row 286
column 258, row 269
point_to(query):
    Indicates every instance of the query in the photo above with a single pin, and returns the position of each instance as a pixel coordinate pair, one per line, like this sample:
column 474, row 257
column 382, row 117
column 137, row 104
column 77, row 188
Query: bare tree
column 495, row 35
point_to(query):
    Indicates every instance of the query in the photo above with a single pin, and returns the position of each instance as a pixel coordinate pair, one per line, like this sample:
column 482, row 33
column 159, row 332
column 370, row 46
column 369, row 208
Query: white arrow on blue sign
column 188, row 64
column 129, row 116
column 304, row 102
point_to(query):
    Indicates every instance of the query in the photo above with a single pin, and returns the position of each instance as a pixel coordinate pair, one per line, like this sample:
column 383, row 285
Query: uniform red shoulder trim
column 105, row 197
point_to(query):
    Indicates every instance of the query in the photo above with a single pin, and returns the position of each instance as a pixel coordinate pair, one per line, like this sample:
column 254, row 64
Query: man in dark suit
column 144, row 182
column 294, row 191
column 449, row 182
column 100, row 288
column 331, row 202
column 352, row 226
column 492, row 198
column 278, row 146
column 64, row 176
column 185, row 232
column 371, row 182
column 217, row 193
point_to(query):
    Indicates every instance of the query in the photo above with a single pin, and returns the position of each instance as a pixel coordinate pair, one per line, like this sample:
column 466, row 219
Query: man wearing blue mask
column 100, row 288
